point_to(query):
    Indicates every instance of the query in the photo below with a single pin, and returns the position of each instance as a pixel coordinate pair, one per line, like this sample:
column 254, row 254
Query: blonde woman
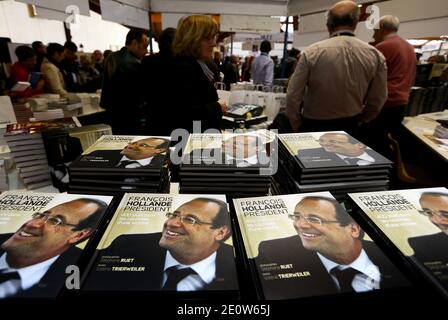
column 195, row 97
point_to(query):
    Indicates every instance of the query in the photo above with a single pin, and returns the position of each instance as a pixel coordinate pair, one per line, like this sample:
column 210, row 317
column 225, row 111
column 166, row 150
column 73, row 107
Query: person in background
column 106, row 54
column 291, row 62
column 41, row 51
column 263, row 67
column 22, row 71
column 157, row 72
column 54, row 80
column 215, row 67
column 339, row 83
column 247, row 70
column 122, row 93
column 436, row 59
column 401, row 68
column 195, row 98
column 98, row 60
column 69, row 67
column 89, row 76
column 231, row 73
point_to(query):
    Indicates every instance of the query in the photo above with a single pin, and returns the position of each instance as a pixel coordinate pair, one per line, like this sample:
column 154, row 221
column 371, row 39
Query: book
column 34, row 78
column 307, row 245
column 228, row 151
column 41, row 235
column 241, row 157
column 19, row 131
column 331, row 150
column 152, row 236
column 20, row 86
column 7, row 115
column 414, row 223
column 112, row 153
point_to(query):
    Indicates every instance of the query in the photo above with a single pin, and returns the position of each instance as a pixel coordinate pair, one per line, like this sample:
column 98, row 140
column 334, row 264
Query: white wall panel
column 219, row 7
column 61, row 5
column 124, row 14
column 95, row 33
column 20, row 27
column 418, row 18
column 255, row 24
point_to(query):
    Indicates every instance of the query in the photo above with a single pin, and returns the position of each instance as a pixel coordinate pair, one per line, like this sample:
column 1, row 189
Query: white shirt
column 337, row 78
column 250, row 161
column 364, row 159
column 205, row 269
column 369, row 277
column 29, row 276
column 141, row 162
column 263, row 70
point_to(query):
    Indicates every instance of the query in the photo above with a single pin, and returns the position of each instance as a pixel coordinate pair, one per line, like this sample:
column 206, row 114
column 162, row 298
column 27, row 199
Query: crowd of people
column 340, row 83
column 55, row 68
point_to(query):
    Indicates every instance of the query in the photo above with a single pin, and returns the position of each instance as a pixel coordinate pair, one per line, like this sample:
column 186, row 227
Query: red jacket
column 20, row 73
column 401, row 67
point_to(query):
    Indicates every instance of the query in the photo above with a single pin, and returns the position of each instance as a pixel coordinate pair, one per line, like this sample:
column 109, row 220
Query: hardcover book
column 41, row 236
column 228, row 151
column 166, row 243
column 124, row 153
column 305, row 245
column 416, row 223
column 332, row 149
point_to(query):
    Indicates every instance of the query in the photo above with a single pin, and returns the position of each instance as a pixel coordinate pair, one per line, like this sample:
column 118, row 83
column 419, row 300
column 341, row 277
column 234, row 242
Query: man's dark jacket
column 111, row 159
column 54, row 279
column 318, row 157
column 122, row 93
column 290, row 251
column 146, row 253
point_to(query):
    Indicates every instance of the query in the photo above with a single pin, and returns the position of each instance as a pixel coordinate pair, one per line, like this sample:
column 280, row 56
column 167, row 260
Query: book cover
column 416, row 223
column 41, row 234
column 304, row 245
column 228, row 150
column 124, row 153
column 39, row 126
column 331, row 149
column 155, row 239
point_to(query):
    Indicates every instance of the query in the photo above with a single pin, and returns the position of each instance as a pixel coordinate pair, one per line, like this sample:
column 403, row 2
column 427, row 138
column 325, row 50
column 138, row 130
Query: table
column 423, row 126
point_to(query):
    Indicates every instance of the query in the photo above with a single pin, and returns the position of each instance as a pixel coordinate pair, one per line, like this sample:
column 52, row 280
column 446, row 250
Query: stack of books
column 25, row 218
column 118, row 164
column 23, row 112
column 151, row 246
column 27, row 148
column 307, row 245
column 330, row 161
column 5, row 152
column 231, row 164
column 3, row 176
column 65, row 145
column 89, row 134
column 412, row 225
